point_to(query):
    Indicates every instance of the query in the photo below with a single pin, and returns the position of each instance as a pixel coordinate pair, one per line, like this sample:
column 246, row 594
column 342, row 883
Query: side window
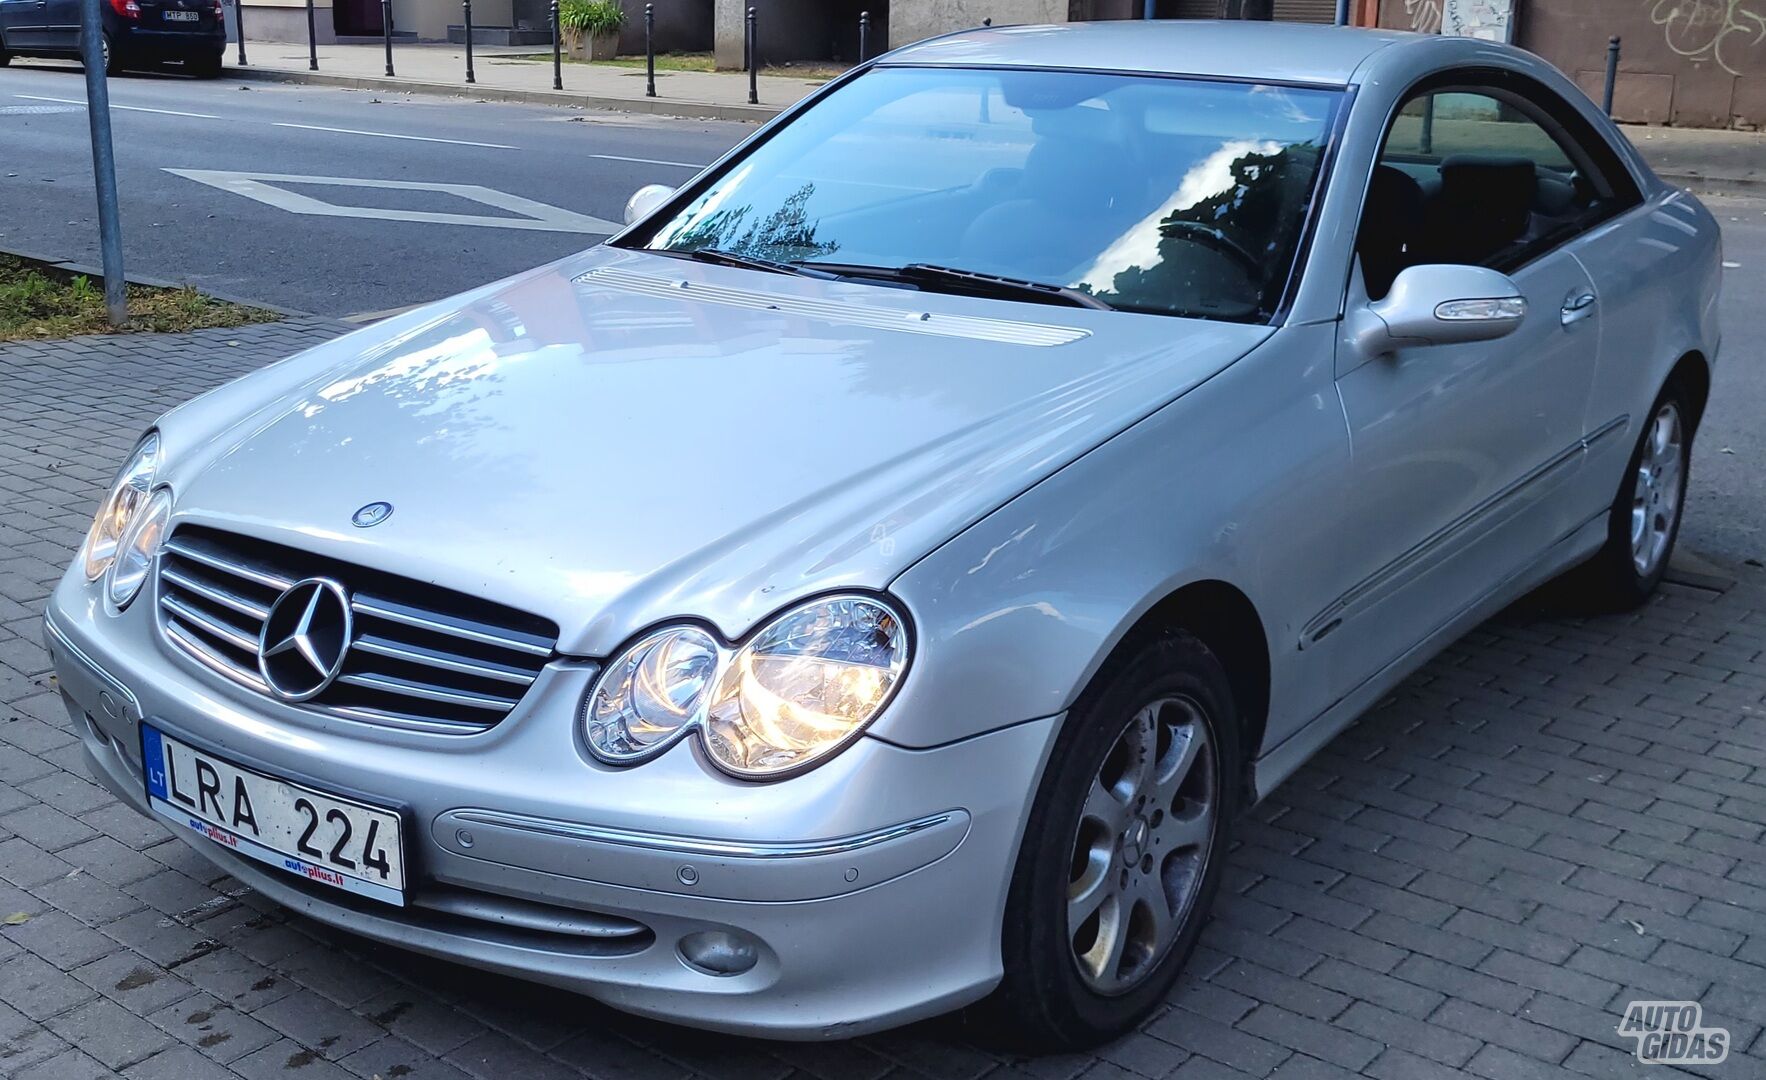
column 1478, row 177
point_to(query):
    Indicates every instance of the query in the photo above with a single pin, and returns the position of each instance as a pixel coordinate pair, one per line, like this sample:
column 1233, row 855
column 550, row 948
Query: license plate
column 183, row 16
column 323, row 838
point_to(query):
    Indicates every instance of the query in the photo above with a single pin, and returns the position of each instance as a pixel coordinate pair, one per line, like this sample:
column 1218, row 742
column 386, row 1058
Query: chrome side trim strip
column 688, row 845
column 1419, row 557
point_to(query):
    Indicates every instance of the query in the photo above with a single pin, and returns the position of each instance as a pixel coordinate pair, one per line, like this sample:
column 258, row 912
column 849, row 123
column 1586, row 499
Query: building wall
column 1696, row 63
column 788, row 30
column 912, row 20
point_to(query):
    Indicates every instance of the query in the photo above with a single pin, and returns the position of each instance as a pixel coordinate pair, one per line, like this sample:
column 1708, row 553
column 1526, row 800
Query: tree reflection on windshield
column 785, row 235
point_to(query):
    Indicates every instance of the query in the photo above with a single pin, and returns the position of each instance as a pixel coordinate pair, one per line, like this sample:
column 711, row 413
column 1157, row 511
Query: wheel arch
column 1693, row 372
column 1224, row 619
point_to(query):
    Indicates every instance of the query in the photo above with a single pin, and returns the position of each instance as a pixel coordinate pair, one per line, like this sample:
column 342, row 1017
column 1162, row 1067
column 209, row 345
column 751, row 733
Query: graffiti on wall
column 1425, row 15
column 1714, row 30
column 1486, row 19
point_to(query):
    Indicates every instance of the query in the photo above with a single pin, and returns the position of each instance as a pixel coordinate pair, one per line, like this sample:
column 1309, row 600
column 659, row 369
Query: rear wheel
column 1122, row 853
column 206, row 66
column 5, row 57
column 1644, row 521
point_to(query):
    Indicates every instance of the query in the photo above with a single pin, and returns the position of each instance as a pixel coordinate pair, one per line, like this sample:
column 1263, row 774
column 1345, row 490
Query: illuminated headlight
column 127, row 495
column 139, row 545
column 800, row 689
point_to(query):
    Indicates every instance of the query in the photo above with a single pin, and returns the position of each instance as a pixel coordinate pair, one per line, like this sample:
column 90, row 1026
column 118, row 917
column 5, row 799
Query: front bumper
column 871, row 888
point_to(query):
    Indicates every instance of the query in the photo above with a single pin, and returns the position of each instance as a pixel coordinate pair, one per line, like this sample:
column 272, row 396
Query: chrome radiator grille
column 419, row 657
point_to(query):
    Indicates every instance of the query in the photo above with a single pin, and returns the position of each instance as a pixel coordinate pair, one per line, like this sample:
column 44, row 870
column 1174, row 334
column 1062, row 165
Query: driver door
column 1460, row 454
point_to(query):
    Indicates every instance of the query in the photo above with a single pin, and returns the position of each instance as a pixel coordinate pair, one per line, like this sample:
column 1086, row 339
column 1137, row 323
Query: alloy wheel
column 1655, row 502
column 1143, row 843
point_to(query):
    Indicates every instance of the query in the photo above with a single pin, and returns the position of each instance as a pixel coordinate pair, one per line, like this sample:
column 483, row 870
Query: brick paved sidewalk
column 1555, row 818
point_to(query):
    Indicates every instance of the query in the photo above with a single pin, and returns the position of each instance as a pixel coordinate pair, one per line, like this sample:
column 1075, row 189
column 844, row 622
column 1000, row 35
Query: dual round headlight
column 800, row 689
column 130, row 525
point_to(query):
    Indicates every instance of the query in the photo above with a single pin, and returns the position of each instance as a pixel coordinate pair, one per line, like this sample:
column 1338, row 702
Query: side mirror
column 646, row 199
column 1440, row 305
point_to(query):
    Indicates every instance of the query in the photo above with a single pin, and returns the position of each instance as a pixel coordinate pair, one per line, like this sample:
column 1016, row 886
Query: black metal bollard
column 386, row 31
column 864, row 35
column 312, row 40
column 649, row 50
column 753, row 59
column 1606, row 102
column 466, row 11
column 239, row 28
column 557, row 50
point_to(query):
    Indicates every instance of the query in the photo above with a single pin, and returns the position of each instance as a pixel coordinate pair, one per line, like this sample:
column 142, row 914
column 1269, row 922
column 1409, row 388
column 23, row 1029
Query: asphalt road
column 175, row 227
column 578, row 165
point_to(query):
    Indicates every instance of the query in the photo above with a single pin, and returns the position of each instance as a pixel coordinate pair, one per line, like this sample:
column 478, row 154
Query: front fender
column 1016, row 614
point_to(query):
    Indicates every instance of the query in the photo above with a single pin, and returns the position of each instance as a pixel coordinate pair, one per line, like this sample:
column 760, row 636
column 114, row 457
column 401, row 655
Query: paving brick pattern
column 1554, row 818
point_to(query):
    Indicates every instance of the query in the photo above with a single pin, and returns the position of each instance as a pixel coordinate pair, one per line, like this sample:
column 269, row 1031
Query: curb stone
column 689, row 110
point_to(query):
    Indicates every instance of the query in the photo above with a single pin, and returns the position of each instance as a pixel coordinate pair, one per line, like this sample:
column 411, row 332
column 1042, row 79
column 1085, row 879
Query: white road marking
column 537, row 216
column 114, row 105
column 36, row 110
column 390, row 135
column 647, row 161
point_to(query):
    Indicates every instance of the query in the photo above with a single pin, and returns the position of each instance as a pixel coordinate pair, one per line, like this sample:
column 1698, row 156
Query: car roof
column 1269, row 51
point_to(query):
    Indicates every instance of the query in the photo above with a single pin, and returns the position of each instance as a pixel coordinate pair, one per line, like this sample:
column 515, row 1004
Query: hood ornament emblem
column 305, row 639
column 371, row 515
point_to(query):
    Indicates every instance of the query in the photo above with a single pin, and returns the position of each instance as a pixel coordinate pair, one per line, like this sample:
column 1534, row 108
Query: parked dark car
column 137, row 33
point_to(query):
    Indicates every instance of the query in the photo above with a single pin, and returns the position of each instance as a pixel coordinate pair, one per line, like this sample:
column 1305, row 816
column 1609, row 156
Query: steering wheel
column 1209, row 236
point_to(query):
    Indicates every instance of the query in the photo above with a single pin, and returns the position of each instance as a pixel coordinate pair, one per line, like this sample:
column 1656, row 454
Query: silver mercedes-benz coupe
column 873, row 582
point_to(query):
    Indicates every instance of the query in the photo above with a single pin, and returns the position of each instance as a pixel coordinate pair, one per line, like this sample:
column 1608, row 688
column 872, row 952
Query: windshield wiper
column 935, row 278
column 719, row 257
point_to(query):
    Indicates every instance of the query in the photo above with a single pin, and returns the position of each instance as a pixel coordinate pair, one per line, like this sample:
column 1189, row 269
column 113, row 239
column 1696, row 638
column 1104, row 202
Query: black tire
column 1612, row 580
column 206, row 66
column 5, row 56
column 1045, row 1001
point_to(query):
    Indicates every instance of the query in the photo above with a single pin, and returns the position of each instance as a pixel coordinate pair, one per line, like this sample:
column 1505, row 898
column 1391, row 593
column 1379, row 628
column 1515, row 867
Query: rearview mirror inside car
column 1440, row 305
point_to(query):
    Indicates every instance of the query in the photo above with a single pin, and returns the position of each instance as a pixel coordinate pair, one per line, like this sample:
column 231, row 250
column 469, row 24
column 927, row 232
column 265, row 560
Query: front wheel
column 1644, row 521
column 1123, row 850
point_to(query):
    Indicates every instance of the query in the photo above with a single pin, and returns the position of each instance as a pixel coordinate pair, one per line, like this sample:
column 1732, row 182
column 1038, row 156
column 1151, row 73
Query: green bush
column 579, row 17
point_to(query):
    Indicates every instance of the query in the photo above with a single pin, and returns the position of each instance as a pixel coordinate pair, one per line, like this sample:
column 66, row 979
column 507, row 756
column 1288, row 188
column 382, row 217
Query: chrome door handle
column 1578, row 307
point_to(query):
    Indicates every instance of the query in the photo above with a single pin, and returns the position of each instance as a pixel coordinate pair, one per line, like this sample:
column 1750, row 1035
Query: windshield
column 1147, row 193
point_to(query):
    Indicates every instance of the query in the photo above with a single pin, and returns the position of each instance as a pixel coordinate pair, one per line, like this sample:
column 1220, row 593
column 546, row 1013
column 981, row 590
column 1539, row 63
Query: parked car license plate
column 324, row 838
column 183, row 16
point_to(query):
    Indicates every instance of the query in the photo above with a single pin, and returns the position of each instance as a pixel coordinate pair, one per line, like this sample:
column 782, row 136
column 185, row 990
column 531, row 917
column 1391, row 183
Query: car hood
column 621, row 438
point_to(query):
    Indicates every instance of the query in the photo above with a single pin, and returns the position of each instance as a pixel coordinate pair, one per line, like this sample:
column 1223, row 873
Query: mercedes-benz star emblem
column 371, row 515
column 305, row 639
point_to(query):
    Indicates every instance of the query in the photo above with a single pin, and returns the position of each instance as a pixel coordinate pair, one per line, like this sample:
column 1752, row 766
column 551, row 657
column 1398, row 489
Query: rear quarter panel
column 1658, row 272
